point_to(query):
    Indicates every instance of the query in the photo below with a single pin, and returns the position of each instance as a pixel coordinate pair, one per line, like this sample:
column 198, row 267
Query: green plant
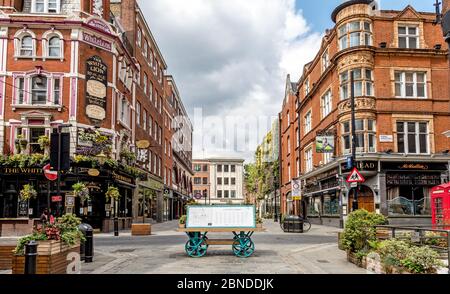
column 27, row 192
column 44, row 142
column 392, row 252
column 36, row 236
column 127, row 155
column 182, row 219
column 421, row 260
column 259, row 220
column 359, row 229
column 81, row 191
column 112, row 193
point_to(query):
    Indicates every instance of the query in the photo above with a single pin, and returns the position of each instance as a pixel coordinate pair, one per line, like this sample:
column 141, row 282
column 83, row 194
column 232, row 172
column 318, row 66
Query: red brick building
column 402, row 113
column 93, row 65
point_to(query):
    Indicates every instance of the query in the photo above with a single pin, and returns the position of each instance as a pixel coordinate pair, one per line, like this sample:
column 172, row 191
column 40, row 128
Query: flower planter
column 141, row 229
column 351, row 257
column 51, row 259
column 181, row 226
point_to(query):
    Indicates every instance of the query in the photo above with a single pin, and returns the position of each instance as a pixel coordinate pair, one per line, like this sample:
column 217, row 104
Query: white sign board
column 386, row 138
column 221, row 216
column 296, row 188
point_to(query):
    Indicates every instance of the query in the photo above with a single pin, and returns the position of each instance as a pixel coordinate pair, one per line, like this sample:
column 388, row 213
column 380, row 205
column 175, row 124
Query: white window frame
column 366, row 136
column 345, row 33
column 325, row 60
column 144, row 118
column 326, row 104
column 307, row 87
column 288, row 145
column 309, row 160
column 145, row 83
column 408, row 36
column 402, row 83
column 416, row 134
column 308, row 121
column 46, row 6
column 138, row 113
column 139, row 37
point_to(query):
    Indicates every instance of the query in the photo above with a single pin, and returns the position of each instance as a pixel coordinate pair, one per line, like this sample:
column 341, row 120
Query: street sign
column 198, row 196
column 49, row 174
column 296, row 188
column 353, row 185
column 56, row 198
column 355, row 177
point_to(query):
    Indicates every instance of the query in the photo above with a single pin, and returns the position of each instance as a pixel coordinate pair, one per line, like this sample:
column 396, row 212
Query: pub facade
column 401, row 117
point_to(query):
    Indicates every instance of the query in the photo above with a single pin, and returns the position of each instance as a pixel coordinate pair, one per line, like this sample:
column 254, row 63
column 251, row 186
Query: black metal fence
column 436, row 237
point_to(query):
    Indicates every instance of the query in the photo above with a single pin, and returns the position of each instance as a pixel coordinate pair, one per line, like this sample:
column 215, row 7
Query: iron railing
column 436, row 237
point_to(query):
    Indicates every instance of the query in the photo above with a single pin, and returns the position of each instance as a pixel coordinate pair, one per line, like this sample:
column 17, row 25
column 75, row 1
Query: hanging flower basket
column 28, row 192
column 112, row 193
column 82, row 191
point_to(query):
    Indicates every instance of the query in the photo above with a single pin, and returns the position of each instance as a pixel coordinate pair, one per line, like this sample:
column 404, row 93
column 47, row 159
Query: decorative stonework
column 364, row 103
column 353, row 10
column 358, row 59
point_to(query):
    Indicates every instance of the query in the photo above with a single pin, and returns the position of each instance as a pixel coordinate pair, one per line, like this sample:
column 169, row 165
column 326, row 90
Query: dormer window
column 45, row 6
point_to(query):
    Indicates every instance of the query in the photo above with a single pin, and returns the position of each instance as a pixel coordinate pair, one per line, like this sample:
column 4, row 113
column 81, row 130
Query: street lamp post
column 352, row 97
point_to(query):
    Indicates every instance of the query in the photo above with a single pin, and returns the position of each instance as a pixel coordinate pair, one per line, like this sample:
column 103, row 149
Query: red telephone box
column 440, row 205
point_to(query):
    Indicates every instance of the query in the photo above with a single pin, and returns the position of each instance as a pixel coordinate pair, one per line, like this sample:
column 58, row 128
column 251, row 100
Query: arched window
column 26, row 46
column 54, row 47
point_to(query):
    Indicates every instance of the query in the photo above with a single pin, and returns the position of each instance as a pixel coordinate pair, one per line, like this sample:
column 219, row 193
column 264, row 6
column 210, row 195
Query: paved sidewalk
column 276, row 253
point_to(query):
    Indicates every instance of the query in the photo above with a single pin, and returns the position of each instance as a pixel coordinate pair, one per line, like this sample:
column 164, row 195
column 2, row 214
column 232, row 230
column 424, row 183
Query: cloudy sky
column 230, row 59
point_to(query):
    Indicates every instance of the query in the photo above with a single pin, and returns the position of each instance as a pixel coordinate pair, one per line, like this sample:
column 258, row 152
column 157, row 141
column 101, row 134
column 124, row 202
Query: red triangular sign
column 355, row 177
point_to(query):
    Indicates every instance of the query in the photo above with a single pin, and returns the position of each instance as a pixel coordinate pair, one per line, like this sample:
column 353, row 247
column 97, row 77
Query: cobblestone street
column 315, row 252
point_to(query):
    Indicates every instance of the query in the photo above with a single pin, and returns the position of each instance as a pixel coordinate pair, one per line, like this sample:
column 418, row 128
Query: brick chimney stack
column 128, row 18
column 445, row 6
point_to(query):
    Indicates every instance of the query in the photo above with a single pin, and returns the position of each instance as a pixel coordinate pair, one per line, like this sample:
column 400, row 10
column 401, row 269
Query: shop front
column 321, row 197
column 406, row 190
column 95, row 209
column 149, row 203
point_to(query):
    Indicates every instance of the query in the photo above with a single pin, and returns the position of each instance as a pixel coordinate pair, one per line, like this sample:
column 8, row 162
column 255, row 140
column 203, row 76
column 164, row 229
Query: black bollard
column 30, row 258
column 89, row 246
column 116, row 227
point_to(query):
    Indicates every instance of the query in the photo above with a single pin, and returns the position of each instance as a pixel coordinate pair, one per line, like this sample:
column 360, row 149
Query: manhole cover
column 323, row 261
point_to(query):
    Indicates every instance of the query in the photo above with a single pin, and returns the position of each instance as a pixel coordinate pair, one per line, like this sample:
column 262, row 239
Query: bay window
column 363, row 81
column 365, row 137
column 412, row 137
column 355, row 33
column 410, row 84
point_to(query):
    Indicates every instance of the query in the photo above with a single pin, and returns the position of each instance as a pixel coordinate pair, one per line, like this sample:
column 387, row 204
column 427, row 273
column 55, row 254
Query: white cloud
column 231, row 57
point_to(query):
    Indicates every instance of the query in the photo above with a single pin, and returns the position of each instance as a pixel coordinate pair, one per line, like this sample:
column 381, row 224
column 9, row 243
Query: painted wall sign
column 96, row 88
column 386, row 138
column 22, row 171
column 97, row 41
column 413, row 179
column 414, row 166
column 122, row 178
column 99, row 24
column 362, row 166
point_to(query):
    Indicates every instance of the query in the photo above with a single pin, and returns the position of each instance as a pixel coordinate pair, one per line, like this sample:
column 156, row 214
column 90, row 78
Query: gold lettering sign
column 414, row 166
column 122, row 178
column 22, row 170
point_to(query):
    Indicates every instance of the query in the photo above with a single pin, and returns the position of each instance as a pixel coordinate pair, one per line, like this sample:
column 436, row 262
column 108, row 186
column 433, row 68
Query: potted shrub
column 55, row 241
column 182, row 222
column 128, row 156
column 359, row 232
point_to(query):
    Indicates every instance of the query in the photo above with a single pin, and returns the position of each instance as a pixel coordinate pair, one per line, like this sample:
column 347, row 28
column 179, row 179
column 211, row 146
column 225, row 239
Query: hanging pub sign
column 96, row 89
column 325, row 143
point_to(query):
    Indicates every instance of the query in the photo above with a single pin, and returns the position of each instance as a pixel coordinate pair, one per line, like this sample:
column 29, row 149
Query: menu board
column 221, row 216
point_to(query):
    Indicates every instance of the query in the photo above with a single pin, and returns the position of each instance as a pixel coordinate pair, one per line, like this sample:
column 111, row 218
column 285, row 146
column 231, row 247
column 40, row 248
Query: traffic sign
column 49, row 174
column 355, row 177
column 198, row 196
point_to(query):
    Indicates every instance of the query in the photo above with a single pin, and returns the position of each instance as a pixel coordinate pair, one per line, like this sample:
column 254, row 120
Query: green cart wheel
column 196, row 247
column 243, row 246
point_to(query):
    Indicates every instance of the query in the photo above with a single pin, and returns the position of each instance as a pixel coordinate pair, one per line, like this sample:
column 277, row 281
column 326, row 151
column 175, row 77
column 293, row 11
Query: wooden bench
column 6, row 255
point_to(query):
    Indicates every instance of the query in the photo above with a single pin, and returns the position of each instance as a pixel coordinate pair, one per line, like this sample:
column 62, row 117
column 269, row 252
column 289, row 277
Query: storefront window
column 314, row 206
column 330, row 205
column 409, row 200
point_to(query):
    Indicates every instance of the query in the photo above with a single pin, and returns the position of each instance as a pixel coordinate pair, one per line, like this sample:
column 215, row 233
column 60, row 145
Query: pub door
column 366, row 199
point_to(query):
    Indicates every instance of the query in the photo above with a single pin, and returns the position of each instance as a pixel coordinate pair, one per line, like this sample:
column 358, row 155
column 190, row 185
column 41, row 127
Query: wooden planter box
column 351, row 257
column 6, row 255
column 52, row 258
column 141, row 229
column 181, row 226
